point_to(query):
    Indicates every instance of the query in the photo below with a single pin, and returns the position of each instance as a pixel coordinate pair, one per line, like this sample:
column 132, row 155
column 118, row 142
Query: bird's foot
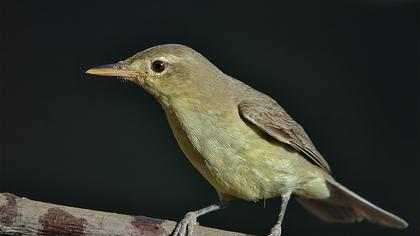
column 186, row 225
column 276, row 230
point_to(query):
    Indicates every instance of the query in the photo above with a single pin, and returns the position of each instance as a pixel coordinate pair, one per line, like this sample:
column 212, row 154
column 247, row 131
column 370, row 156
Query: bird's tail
column 344, row 206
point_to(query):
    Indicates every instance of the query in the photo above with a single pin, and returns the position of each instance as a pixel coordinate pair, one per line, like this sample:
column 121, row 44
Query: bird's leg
column 276, row 230
column 186, row 225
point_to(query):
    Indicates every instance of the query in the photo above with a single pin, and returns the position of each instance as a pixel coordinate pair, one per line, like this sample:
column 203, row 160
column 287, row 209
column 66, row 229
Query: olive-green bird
column 241, row 140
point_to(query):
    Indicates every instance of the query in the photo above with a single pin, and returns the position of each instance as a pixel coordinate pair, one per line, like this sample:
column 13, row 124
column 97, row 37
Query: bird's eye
column 158, row 66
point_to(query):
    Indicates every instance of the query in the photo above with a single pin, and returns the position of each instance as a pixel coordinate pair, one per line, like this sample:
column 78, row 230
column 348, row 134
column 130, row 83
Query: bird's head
column 166, row 71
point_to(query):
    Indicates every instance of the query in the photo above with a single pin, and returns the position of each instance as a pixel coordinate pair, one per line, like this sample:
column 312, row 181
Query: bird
column 240, row 139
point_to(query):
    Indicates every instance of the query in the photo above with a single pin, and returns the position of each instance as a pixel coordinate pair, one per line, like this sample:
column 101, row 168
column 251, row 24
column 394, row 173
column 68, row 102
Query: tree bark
column 22, row 216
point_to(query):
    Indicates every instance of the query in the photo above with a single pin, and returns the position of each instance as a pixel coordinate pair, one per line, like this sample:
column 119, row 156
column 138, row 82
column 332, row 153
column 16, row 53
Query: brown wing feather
column 271, row 118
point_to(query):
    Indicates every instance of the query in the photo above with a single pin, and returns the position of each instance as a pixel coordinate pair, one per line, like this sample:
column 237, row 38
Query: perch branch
column 22, row 216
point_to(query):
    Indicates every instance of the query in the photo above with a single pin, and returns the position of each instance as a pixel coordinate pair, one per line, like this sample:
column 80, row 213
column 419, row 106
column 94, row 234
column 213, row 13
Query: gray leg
column 276, row 230
column 186, row 225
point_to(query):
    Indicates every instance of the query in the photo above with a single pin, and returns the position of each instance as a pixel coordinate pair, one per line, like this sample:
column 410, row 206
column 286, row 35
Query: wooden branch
column 21, row 216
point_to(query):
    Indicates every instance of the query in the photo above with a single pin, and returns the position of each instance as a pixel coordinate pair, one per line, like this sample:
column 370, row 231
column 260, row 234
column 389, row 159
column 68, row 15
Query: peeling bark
column 21, row 216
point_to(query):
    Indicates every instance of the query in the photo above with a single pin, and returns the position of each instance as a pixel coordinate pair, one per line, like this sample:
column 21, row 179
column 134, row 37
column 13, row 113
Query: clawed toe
column 275, row 231
column 186, row 225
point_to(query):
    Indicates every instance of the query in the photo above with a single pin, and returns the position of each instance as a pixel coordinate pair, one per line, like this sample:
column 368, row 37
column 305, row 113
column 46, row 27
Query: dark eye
column 158, row 66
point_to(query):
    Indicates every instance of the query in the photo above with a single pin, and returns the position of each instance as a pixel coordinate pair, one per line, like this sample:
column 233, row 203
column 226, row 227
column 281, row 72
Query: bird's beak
column 117, row 69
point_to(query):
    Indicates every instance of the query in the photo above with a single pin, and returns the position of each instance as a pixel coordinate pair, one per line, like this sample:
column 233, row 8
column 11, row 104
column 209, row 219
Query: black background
column 347, row 71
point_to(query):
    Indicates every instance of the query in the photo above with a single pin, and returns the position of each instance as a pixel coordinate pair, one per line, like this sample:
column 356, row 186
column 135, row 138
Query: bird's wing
column 271, row 118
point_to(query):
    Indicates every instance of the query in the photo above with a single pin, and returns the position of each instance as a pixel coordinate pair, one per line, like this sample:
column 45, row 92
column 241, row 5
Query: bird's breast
column 231, row 156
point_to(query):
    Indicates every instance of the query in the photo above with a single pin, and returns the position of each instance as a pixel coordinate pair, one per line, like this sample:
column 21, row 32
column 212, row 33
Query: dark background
column 347, row 71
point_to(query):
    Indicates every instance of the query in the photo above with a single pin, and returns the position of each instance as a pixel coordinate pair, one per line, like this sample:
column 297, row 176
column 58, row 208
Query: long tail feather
column 344, row 206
